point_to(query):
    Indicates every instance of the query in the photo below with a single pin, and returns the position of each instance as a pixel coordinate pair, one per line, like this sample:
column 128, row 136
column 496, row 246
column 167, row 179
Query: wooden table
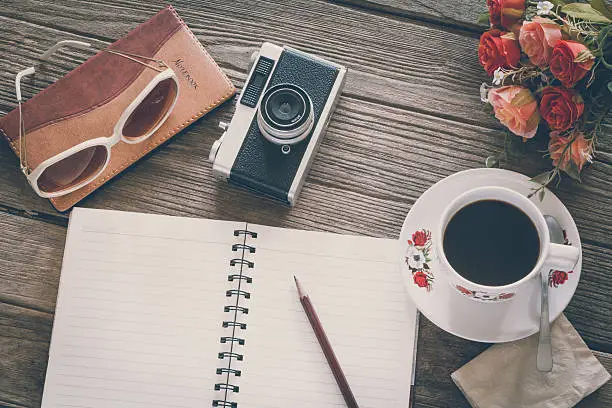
column 409, row 116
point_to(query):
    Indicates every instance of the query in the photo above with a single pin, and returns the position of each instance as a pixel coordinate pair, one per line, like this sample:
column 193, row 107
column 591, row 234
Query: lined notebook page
column 139, row 311
column 356, row 288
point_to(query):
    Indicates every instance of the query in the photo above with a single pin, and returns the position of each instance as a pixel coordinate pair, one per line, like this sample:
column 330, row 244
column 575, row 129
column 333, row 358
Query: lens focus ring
column 285, row 114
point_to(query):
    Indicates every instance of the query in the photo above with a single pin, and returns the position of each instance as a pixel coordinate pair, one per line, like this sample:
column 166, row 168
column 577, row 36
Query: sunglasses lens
column 152, row 109
column 72, row 170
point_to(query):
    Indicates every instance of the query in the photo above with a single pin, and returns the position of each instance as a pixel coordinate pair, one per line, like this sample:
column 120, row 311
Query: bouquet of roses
column 551, row 64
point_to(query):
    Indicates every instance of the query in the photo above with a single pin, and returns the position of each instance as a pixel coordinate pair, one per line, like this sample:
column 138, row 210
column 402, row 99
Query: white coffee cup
column 551, row 256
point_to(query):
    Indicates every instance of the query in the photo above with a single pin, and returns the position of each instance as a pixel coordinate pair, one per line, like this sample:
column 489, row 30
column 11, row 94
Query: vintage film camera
column 280, row 120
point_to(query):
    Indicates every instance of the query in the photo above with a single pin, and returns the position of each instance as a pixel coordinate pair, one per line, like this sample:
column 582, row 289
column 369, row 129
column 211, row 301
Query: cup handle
column 562, row 257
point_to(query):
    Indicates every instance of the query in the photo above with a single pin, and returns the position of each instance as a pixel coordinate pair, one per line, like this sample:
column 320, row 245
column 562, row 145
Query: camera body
column 280, row 120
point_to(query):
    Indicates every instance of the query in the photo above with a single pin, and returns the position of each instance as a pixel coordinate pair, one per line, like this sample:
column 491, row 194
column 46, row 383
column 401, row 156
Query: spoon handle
column 544, row 361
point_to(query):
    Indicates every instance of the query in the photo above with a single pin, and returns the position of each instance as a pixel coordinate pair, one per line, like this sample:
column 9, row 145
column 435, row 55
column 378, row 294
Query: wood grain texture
column 409, row 116
column 389, row 60
column 455, row 14
column 31, row 260
column 420, row 147
column 24, row 348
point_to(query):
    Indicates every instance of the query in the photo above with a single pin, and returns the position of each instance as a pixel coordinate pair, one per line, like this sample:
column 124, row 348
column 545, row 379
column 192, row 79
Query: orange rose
column 516, row 108
column 561, row 107
column 537, row 39
column 505, row 13
column 498, row 49
column 562, row 63
column 578, row 152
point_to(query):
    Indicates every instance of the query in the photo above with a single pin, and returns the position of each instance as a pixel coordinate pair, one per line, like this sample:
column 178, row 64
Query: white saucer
column 491, row 322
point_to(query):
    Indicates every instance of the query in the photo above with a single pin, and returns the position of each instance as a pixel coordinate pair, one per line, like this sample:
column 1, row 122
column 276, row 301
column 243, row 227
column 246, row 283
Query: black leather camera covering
column 260, row 165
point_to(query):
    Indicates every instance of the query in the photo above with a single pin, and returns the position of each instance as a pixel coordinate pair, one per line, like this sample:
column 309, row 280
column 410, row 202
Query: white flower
column 544, row 7
column 484, row 92
column 498, row 76
column 415, row 258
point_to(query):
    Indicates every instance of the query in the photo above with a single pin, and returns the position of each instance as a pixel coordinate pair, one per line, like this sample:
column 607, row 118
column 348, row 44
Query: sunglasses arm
column 66, row 43
column 18, row 78
column 20, row 75
column 45, row 56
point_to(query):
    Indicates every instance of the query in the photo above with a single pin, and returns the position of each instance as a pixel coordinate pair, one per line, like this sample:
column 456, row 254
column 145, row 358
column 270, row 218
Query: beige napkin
column 505, row 375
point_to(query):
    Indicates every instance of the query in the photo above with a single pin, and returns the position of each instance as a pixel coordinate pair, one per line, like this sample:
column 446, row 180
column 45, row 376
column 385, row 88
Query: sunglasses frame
column 164, row 72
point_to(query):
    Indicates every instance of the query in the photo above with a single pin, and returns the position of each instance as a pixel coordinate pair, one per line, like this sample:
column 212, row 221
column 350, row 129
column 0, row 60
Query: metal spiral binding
column 241, row 261
column 245, row 232
column 234, row 325
column 231, row 278
column 249, row 248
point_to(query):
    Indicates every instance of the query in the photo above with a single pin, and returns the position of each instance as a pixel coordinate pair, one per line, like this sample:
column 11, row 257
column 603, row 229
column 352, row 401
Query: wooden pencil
column 326, row 346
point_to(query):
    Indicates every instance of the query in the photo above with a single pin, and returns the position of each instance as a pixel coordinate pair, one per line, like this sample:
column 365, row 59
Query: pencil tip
column 298, row 286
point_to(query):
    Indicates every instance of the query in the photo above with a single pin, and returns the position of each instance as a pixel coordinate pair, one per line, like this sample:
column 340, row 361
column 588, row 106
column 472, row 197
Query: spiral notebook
column 159, row 311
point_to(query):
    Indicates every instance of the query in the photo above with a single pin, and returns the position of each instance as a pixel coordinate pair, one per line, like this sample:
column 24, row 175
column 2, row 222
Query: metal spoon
column 544, row 360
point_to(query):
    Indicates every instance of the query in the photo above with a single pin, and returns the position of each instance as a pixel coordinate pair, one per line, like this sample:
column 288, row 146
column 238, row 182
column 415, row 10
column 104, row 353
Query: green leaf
column 515, row 146
column 584, row 12
column 572, row 170
column 488, row 108
column 602, row 7
column 558, row 2
column 541, row 194
column 483, row 18
column 492, row 161
column 605, row 46
column 542, row 178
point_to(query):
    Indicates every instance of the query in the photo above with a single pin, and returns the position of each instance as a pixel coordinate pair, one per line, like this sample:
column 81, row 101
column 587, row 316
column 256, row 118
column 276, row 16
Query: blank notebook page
column 143, row 298
column 357, row 291
column 139, row 311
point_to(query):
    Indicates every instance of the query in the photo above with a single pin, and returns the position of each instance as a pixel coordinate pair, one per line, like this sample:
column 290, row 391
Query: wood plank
column 30, row 263
column 452, row 14
column 24, row 348
column 590, row 310
column 603, row 396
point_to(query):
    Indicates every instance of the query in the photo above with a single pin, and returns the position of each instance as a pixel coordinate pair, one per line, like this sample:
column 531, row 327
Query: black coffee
column 492, row 243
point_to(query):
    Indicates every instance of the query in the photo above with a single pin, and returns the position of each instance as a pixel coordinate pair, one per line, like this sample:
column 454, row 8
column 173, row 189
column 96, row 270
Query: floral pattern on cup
column 556, row 277
column 418, row 258
column 484, row 296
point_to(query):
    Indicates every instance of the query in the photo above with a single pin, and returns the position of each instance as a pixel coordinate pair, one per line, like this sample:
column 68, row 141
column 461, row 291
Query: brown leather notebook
column 86, row 103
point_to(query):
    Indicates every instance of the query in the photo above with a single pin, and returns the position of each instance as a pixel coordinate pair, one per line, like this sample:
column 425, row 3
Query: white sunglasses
column 74, row 168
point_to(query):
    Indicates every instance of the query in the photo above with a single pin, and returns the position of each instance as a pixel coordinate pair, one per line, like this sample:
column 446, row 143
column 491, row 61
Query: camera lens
column 285, row 114
column 285, row 107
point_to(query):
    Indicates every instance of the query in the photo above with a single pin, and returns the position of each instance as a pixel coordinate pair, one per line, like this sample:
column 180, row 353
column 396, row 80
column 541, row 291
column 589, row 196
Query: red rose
column 494, row 12
column 561, row 107
column 420, row 279
column 419, row 238
column 498, row 49
column 558, row 278
column 505, row 12
column 562, row 63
